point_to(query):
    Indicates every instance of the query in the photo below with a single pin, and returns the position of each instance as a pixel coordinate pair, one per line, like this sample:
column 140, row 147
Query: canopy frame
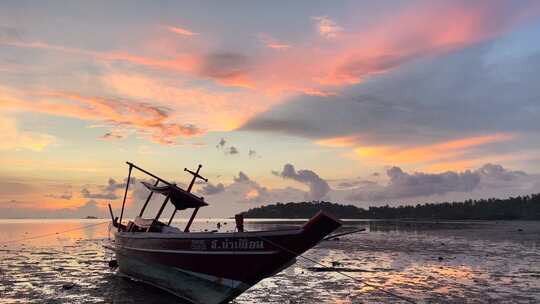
column 169, row 189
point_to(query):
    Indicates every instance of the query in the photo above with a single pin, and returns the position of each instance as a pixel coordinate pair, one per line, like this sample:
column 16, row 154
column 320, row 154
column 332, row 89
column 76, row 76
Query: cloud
column 113, row 136
column 484, row 181
column 232, row 150
column 252, row 153
column 441, row 151
column 227, row 68
column 89, row 208
column 107, row 195
column 148, row 120
column 272, row 43
column 108, row 191
column 210, row 189
column 318, row 187
column 180, row 31
column 243, row 190
column 9, row 33
column 488, row 106
column 11, row 138
column 405, row 185
column 242, row 178
column 326, row 27
column 66, row 196
column 221, row 143
column 215, row 110
column 15, row 188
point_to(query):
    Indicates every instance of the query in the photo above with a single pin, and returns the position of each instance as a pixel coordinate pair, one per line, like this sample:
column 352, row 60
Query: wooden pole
column 172, row 216
column 195, row 176
column 125, row 195
column 110, row 211
column 191, row 219
column 148, row 199
column 161, row 209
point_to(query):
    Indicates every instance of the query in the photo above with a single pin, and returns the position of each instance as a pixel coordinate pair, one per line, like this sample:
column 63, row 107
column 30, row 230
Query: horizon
column 201, row 219
column 349, row 102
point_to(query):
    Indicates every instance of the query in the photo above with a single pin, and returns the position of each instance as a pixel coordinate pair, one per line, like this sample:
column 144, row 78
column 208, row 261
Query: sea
column 398, row 261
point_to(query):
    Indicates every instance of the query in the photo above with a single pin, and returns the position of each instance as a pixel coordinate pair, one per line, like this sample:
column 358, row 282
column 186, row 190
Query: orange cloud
column 180, row 31
column 200, row 106
column 475, row 162
column 149, row 121
column 11, row 138
column 180, row 63
column 449, row 150
column 339, row 142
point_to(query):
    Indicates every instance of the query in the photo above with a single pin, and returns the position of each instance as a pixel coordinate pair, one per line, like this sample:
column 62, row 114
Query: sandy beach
column 428, row 262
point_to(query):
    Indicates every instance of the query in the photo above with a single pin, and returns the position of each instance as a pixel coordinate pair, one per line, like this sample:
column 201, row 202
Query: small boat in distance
column 205, row 267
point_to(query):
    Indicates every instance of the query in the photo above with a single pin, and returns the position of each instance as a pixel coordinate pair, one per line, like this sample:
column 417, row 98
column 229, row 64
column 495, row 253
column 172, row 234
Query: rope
column 53, row 233
column 342, row 273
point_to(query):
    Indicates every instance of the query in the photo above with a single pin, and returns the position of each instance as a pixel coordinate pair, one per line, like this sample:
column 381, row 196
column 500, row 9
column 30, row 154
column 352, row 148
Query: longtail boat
column 205, row 267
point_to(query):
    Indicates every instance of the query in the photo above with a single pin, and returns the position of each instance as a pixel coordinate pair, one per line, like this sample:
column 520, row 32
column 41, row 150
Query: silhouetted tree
column 521, row 207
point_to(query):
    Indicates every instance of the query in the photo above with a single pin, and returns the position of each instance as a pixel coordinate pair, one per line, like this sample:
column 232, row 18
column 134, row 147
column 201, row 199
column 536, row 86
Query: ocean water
column 427, row 262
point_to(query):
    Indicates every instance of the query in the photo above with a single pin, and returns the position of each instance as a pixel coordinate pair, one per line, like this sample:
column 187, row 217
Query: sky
column 356, row 102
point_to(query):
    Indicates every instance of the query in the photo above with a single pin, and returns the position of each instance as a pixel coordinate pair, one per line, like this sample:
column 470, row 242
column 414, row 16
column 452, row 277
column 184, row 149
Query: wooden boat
column 205, row 267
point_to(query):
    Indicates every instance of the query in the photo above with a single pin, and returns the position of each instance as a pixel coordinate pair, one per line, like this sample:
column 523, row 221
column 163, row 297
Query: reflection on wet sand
column 427, row 262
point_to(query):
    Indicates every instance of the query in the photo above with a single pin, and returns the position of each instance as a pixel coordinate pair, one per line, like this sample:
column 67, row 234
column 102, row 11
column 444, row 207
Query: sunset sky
column 362, row 102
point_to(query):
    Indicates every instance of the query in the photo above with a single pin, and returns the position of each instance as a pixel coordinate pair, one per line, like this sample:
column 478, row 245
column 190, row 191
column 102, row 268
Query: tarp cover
column 179, row 197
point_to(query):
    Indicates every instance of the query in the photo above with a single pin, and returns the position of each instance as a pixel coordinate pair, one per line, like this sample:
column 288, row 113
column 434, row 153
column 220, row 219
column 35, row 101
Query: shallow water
column 428, row 262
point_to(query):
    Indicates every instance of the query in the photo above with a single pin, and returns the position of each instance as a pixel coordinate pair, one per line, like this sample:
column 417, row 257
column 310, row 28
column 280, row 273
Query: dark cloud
column 222, row 142
column 66, row 196
column 318, row 187
column 224, row 65
column 232, row 150
column 112, row 136
column 355, row 183
column 470, row 91
column 107, row 195
column 210, row 189
column 242, row 177
column 418, row 184
column 252, row 153
column 405, row 185
column 108, row 191
column 359, row 69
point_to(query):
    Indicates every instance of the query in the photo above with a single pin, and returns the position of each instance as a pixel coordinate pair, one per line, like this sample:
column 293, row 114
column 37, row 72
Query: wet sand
column 428, row 262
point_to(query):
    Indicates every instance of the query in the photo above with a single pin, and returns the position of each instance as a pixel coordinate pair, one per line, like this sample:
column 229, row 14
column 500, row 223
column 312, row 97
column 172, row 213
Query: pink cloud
column 272, row 43
column 180, row 31
column 326, row 27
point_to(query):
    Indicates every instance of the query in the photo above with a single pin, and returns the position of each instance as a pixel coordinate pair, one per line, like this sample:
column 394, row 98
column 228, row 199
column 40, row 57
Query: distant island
column 513, row 208
column 90, row 217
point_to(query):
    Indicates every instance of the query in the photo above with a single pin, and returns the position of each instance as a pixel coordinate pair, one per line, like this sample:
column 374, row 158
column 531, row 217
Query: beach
column 426, row 262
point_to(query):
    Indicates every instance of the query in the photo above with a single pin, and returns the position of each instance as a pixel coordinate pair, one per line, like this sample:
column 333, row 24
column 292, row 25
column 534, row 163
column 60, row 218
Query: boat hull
column 213, row 268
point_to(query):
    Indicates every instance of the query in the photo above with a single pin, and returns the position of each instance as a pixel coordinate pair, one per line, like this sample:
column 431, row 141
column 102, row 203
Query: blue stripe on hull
column 196, row 288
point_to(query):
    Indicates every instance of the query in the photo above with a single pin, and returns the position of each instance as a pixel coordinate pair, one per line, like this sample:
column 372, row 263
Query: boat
column 204, row 267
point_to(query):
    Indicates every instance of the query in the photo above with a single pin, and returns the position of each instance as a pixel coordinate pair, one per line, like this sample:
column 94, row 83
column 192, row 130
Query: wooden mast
column 125, row 195
column 195, row 176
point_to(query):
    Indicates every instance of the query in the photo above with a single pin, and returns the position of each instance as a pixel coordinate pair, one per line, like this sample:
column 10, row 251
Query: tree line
column 513, row 208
